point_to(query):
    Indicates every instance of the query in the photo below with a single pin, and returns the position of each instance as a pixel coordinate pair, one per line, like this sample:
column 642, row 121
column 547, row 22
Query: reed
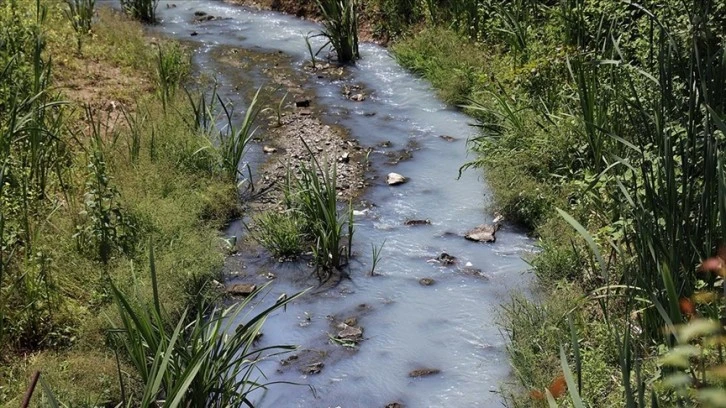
column 313, row 195
column 205, row 360
column 80, row 15
column 340, row 27
column 143, row 10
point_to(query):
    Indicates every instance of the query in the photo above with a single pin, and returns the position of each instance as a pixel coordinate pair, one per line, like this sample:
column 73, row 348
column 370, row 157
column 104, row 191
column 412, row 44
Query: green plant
column 376, row 256
column 172, row 66
column 202, row 361
column 203, row 117
column 278, row 110
column 109, row 228
column 280, row 233
column 313, row 195
column 144, row 10
column 340, row 27
column 135, row 122
column 80, row 15
column 313, row 57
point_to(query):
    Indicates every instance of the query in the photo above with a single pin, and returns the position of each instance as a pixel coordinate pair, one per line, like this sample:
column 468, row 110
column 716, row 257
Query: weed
column 143, row 10
column 172, row 66
column 202, row 361
column 340, row 27
column 80, row 15
column 279, row 232
column 313, row 196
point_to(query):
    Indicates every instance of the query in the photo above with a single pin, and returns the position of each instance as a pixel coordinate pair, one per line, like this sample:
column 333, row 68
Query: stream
column 450, row 325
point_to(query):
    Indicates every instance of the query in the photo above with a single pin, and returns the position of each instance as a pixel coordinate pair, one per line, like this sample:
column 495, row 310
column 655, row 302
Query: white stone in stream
column 395, row 179
column 268, row 149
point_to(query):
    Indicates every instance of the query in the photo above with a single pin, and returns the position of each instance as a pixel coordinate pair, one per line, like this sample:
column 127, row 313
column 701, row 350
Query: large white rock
column 394, row 179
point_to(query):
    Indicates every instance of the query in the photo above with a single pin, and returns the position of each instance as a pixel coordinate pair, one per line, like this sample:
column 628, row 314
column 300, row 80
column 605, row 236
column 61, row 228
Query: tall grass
column 340, row 27
column 233, row 143
column 172, row 66
column 201, row 361
column 313, row 196
column 80, row 15
column 143, row 10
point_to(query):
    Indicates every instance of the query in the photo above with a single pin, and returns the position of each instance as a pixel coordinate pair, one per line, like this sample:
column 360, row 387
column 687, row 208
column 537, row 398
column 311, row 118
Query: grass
column 143, row 10
column 340, row 27
column 204, row 361
column 618, row 130
column 80, row 14
column 91, row 186
column 280, row 233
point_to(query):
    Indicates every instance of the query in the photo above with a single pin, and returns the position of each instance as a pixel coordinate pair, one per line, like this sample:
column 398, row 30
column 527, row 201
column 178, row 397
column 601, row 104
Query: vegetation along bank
column 603, row 133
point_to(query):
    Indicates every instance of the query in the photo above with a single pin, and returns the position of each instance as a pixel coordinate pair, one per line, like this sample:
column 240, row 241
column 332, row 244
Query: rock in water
column 394, row 179
column 314, row 368
column 268, row 149
column 446, row 259
column 485, row 232
column 482, row 233
column 423, row 372
column 417, row 222
column 241, row 289
column 426, row 281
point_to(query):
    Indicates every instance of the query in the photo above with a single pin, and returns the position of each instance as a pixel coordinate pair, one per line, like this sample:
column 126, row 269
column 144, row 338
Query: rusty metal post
column 31, row 388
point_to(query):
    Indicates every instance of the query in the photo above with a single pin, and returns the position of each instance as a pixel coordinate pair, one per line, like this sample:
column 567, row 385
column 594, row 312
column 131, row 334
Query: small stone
column 350, row 333
column 200, row 13
column 305, row 112
column 345, row 158
column 446, row 259
column 351, row 321
column 302, row 103
column 204, row 18
column 194, row 34
column 241, row 289
column 417, row 222
column 358, row 97
column 426, row 281
column 314, row 368
column 448, row 138
column 475, row 272
column 394, row 179
column 269, row 149
column 423, row 372
column 394, row 405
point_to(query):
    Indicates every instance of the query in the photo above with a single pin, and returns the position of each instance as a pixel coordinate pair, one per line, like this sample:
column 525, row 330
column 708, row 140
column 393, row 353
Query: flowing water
column 448, row 326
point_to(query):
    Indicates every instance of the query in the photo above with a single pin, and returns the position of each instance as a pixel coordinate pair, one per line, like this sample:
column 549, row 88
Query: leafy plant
column 172, row 66
column 376, row 256
column 144, row 10
column 340, row 27
column 80, row 15
column 313, row 195
column 279, row 232
column 202, row 361
column 233, row 142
